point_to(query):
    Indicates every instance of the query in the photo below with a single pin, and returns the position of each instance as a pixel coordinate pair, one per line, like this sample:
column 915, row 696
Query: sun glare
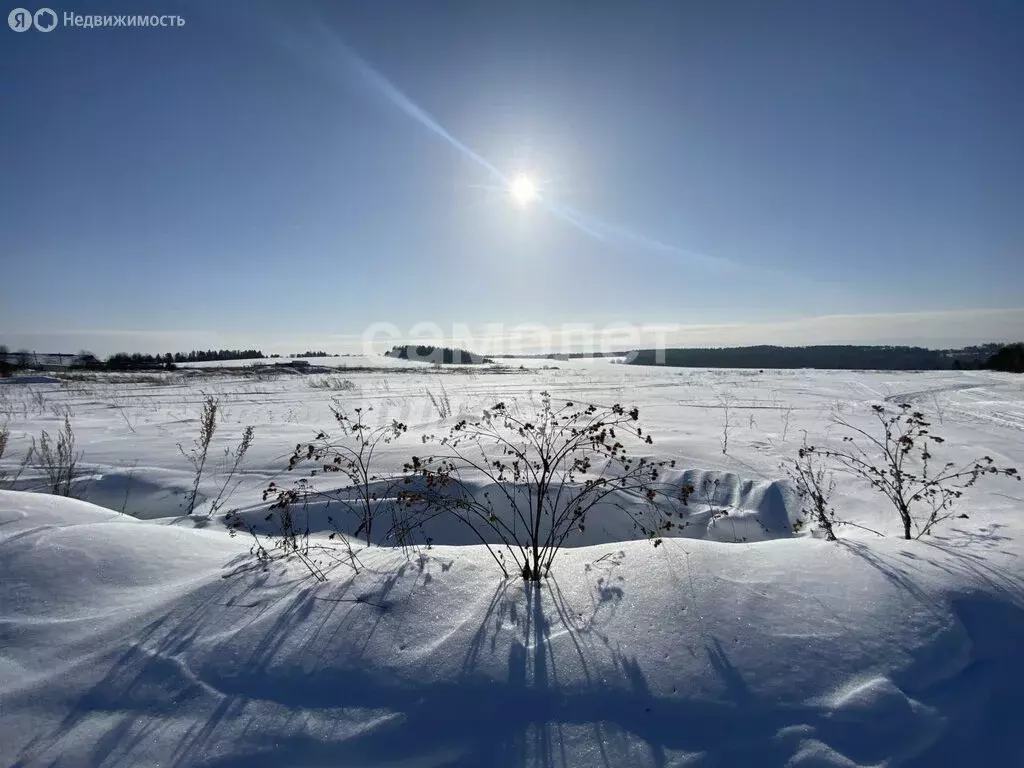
column 523, row 190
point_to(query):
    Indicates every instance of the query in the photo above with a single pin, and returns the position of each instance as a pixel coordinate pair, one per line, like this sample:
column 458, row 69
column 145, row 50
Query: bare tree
column 442, row 404
column 128, row 479
column 234, row 456
column 815, row 484
column 56, row 459
column 5, row 435
column 118, row 404
column 8, row 478
column 938, row 407
column 785, row 415
column 196, row 455
column 290, row 540
column 549, row 472
column 899, row 465
column 368, row 493
column 725, row 402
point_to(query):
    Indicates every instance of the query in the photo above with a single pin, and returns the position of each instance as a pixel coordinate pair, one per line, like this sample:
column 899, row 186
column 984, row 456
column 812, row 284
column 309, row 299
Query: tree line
column 999, row 357
column 438, row 355
column 318, row 353
column 119, row 361
column 837, row 357
column 1009, row 359
column 122, row 361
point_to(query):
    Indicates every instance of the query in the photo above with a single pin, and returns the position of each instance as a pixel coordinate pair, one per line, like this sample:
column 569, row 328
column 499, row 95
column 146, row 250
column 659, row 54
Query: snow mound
column 728, row 508
column 124, row 642
column 723, row 507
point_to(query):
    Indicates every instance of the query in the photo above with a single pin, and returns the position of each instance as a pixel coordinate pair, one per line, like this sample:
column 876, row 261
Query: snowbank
column 723, row 506
column 129, row 643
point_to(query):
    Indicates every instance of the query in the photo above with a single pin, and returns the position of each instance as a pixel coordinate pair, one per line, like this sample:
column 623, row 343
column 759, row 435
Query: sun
column 523, row 190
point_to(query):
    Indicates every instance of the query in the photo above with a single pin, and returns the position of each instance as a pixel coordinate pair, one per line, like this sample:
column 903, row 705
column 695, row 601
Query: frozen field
column 149, row 637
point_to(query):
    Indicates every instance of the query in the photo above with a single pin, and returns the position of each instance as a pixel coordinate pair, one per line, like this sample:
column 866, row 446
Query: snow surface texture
column 156, row 641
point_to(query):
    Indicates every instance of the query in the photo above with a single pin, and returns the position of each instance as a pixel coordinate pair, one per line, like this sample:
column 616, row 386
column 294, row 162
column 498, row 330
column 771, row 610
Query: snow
column 146, row 638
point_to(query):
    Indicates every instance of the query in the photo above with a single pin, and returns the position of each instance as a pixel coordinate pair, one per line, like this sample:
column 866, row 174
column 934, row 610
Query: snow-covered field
column 152, row 638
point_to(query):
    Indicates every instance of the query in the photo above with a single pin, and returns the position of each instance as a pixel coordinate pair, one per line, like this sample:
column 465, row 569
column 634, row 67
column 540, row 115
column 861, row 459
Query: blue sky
column 286, row 174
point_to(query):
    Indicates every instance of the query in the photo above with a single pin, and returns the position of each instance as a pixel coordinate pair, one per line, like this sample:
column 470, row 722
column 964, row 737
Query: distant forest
column 121, row 361
column 126, row 362
column 999, row 357
column 837, row 357
column 1010, row 359
column 438, row 355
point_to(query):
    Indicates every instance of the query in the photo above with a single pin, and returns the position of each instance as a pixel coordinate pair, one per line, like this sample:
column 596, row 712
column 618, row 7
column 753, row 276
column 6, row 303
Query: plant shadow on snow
column 986, row 537
column 529, row 717
column 973, row 678
column 147, row 681
column 951, row 556
column 537, row 676
column 474, row 719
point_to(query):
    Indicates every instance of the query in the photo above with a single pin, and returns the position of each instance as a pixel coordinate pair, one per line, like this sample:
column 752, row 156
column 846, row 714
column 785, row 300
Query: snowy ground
column 149, row 638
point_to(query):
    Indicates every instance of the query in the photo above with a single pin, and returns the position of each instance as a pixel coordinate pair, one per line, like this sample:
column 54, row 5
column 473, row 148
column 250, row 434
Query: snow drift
column 722, row 506
column 132, row 643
